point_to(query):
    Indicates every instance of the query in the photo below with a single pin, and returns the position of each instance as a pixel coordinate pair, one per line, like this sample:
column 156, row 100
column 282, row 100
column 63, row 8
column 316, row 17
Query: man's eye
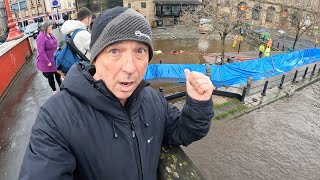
column 142, row 50
column 114, row 51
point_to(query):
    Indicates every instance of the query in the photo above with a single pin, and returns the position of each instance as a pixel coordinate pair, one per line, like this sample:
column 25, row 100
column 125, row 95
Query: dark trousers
column 260, row 54
column 50, row 76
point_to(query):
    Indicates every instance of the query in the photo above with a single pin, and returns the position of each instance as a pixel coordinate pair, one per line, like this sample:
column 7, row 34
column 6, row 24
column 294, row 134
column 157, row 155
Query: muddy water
column 192, row 48
column 279, row 141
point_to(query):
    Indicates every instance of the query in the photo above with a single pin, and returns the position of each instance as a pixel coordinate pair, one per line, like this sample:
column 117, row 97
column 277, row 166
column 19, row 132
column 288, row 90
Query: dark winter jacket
column 83, row 132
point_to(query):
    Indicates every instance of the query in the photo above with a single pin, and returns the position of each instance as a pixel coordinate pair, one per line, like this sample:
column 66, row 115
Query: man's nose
column 129, row 65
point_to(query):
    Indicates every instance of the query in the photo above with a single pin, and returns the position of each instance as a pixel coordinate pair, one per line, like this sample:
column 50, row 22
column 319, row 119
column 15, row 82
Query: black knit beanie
column 119, row 24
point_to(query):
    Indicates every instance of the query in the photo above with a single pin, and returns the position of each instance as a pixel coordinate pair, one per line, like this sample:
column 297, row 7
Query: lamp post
column 14, row 33
column 20, row 14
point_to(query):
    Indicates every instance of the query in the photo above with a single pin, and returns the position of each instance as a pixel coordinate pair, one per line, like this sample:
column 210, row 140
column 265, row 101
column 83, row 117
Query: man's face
column 87, row 21
column 122, row 66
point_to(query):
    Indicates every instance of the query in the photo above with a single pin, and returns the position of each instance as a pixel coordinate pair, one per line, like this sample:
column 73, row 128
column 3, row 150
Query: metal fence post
column 265, row 88
column 305, row 73
column 295, row 77
column 244, row 92
column 314, row 69
column 249, row 82
column 282, row 81
column 161, row 90
column 208, row 71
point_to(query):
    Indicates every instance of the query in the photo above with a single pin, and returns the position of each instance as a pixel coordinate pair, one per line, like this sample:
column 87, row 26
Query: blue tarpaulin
column 237, row 73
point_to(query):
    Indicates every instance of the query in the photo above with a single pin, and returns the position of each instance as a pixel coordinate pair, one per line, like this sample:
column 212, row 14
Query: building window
column 40, row 10
column 270, row 14
column 176, row 10
column 69, row 4
column 256, row 12
column 242, row 9
column 226, row 3
column 158, row 9
column 33, row 11
column 169, row 10
column 192, row 8
column 166, row 10
column 143, row 5
column 26, row 13
column 129, row 5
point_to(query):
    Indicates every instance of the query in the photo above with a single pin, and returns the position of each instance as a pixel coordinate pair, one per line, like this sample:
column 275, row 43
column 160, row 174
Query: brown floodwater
column 191, row 48
column 278, row 141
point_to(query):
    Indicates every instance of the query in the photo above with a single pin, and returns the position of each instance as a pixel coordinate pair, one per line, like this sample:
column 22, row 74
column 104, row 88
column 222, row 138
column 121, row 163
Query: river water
column 278, row 141
column 193, row 49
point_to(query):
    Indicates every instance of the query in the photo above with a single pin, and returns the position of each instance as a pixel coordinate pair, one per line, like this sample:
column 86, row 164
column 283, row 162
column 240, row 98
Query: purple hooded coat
column 46, row 47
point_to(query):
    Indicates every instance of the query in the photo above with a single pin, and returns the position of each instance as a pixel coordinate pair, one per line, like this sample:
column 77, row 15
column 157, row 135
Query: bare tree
column 222, row 16
column 303, row 19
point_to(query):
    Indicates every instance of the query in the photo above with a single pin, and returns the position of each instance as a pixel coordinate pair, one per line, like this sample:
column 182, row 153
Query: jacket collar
column 80, row 83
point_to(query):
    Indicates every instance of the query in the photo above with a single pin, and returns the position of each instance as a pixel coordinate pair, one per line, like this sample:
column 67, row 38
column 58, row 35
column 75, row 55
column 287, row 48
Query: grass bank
column 228, row 109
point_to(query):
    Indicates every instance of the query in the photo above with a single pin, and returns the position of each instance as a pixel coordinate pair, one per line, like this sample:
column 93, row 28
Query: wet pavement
column 264, row 144
column 18, row 112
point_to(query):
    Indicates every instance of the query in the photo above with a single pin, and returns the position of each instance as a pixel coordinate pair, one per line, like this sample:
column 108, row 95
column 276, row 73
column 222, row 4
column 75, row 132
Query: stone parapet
column 13, row 56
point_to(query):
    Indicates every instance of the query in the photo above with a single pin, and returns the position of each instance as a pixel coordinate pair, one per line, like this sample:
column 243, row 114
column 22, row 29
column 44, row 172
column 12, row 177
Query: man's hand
column 199, row 86
column 49, row 64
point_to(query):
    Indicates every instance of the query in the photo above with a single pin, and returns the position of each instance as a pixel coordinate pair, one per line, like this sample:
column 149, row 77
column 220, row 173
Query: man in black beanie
column 107, row 123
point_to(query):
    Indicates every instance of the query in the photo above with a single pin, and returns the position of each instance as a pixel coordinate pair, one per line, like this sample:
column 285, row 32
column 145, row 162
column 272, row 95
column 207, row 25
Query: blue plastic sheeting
column 171, row 70
column 238, row 73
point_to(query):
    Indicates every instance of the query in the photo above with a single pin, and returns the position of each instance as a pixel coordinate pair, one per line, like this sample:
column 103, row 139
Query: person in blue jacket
column 106, row 122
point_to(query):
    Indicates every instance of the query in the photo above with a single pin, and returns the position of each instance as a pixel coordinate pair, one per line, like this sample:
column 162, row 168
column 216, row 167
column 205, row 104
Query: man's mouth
column 126, row 84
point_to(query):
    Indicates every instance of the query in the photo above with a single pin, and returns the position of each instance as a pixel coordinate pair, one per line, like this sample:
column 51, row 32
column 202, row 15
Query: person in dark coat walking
column 46, row 46
column 107, row 123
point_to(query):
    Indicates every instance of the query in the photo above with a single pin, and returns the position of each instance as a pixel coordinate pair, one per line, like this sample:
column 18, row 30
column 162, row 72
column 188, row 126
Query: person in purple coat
column 47, row 44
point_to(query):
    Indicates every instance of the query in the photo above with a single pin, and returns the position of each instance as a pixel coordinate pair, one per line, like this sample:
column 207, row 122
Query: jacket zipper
column 136, row 146
column 134, row 139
